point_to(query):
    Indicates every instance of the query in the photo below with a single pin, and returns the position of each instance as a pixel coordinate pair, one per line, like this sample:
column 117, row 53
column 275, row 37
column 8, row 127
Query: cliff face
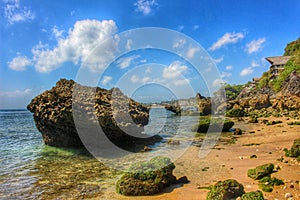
column 55, row 110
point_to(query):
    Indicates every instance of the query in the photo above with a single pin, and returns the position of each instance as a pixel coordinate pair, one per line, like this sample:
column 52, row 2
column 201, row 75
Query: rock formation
column 55, row 111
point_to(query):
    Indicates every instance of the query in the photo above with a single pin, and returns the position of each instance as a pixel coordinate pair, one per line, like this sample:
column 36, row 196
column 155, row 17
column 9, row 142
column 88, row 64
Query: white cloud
column 106, row 80
column 128, row 44
column 134, row 79
column 191, row 52
column 229, row 67
column 58, row 34
column 180, row 82
column 146, row 79
column 195, row 27
column 174, row 70
column 227, row 38
column 79, row 46
column 179, row 43
column 218, row 82
column 180, row 28
column 254, row 64
column 148, row 70
column 127, row 61
column 255, row 45
column 218, row 60
column 13, row 12
column 145, row 6
column 225, row 75
column 246, row 71
column 19, row 63
column 16, row 93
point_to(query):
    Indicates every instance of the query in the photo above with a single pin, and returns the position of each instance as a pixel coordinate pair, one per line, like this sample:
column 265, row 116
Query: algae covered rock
column 224, row 190
column 147, row 178
column 261, row 171
column 256, row 195
column 295, row 150
column 267, row 183
column 213, row 124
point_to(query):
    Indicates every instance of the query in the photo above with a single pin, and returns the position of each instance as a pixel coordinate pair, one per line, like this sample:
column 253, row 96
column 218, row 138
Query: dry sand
column 232, row 161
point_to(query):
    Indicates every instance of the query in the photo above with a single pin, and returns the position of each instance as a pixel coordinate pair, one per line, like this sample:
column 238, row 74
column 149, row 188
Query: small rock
column 251, row 131
column 288, row 195
column 173, row 142
column 146, row 148
column 241, row 157
column 237, row 131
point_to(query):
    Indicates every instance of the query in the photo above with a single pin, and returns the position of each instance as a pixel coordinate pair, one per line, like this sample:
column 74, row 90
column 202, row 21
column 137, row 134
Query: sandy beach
column 232, row 161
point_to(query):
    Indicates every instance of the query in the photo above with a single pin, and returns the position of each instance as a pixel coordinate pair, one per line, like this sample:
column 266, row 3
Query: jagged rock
column 261, row 171
column 173, row 108
column 147, row 178
column 204, row 105
column 283, row 102
column 223, row 190
column 54, row 112
column 291, row 86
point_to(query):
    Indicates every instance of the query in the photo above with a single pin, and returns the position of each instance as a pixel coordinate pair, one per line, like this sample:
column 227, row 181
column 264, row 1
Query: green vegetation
column 294, row 123
column 272, row 122
column 257, row 195
column 267, row 183
column 264, row 80
column 251, row 144
column 232, row 91
column 295, row 150
column 213, row 125
column 228, row 189
column 235, row 113
column 261, row 171
column 147, row 178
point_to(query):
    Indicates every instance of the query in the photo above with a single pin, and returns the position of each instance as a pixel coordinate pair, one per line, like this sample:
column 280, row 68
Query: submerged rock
column 224, row 190
column 55, row 110
column 261, row 171
column 147, row 178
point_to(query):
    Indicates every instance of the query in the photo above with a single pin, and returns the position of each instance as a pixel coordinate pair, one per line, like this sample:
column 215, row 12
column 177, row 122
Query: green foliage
column 294, row 123
column 213, row 124
column 267, row 183
column 235, row 113
column 264, row 80
column 292, row 48
column 261, row 171
column 232, row 91
column 295, row 149
column 228, row 189
column 146, row 178
column 257, row 195
column 267, row 122
column 288, row 69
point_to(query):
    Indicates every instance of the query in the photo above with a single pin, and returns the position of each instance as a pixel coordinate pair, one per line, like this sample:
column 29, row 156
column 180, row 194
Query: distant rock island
column 53, row 115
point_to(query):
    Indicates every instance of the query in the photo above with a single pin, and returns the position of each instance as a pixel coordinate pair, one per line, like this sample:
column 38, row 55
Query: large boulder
column 204, row 104
column 256, row 195
column 147, row 178
column 55, row 110
column 261, row 171
column 295, row 149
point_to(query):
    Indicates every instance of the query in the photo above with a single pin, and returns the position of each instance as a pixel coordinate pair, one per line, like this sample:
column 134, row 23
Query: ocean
column 31, row 170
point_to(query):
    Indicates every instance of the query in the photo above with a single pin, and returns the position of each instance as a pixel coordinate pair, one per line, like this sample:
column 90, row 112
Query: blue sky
column 41, row 42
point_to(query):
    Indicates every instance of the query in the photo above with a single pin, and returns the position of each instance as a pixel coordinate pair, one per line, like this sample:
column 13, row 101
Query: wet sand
column 232, row 161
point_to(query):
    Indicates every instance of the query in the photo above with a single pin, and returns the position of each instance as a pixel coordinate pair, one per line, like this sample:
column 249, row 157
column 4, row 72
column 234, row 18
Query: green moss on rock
column 147, row 178
column 295, row 150
column 261, row 171
column 267, row 183
column 213, row 124
column 256, row 195
column 223, row 190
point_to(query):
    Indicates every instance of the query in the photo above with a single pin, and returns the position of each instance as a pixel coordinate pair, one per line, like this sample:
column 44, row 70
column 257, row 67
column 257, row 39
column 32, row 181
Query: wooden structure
column 277, row 64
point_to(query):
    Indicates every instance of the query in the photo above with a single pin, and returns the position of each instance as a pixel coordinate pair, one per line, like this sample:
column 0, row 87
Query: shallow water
column 31, row 170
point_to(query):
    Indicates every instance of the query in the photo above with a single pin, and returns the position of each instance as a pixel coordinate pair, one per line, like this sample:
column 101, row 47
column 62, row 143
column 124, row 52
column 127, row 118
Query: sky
column 194, row 45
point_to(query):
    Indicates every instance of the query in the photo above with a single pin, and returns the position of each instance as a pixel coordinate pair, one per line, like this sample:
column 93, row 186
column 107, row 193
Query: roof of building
column 278, row 60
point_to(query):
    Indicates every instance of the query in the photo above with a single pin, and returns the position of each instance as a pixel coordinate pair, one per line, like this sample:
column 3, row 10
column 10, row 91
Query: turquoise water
column 31, row 170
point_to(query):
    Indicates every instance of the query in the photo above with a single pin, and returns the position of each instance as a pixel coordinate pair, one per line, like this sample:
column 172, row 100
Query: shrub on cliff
column 213, row 124
column 147, row 178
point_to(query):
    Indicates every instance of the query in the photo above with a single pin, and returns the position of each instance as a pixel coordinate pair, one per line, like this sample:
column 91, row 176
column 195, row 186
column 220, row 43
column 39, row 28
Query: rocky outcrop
column 148, row 178
column 228, row 189
column 204, row 105
column 55, row 110
column 173, row 108
column 291, row 86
